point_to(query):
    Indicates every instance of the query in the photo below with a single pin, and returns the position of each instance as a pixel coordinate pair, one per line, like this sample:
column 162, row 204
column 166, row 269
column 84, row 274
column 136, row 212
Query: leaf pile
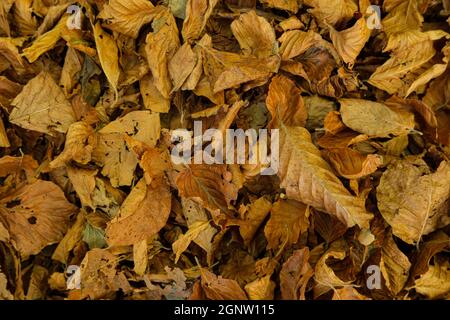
column 90, row 92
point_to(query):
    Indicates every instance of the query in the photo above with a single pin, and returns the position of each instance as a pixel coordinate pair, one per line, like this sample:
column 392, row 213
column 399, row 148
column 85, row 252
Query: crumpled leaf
column 324, row 276
column 42, row 106
column 194, row 213
column 218, row 288
column 112, row 151
column 140, row 216
column 261, row 289
column 161, row 45
column 256, row 214
column 127, row 17
column 295, row 274
column 288, row 219
column 81, row 141
column 414, row 201
column 99, row 278
column 255, row 35
column 204, row 184
column 435, row 283
column 285, row 103
column 332, row 11
column 352, row 164
column 302, row 170
column 36, row 215
column 197, row 15
column 394, row 266
column 351, row 41
column 108, row 54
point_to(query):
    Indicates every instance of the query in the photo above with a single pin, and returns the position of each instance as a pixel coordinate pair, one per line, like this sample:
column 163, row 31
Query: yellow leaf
column 288, row 219
column 160, row 47
column 413, row 201
column 140, row 217
column 140, row 257
column 302, row 170
column 197, row 15
column 257, row 213
column 108, row 54
column 255, row 35
column 42, row 106
column 435, row 283
column 183, row 242
column 375, row 119
column 127, row 16
column 332, row 11
column 394, row 265
column 351, row 41
column 261, row 289
column 45, row 42
column 70, row 240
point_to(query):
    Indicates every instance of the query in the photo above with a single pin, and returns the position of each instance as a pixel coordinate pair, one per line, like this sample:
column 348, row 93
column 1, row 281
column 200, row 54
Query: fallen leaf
column 374, row 119
column 295, row 274
column 288, row 219
column 413, row 201
column 36, row 215
column 140, row 215
column 218, row 288
column 42, row 106
column 302, row 170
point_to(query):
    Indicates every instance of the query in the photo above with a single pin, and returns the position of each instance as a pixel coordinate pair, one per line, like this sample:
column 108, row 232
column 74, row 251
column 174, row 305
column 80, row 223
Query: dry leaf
column 42, row 106
column 295, row 274
column 309, row 179
column 374, row 119
column 414, row 201
column 126, row 16
column 255, row 35
column 288, row 219
column 140, row 216
column 218, row 288
column 36, row 215
column 285, row 103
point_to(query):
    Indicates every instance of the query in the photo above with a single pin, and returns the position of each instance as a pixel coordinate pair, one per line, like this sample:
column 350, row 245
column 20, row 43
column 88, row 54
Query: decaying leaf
column 42, row 106
column 414, row 201
column 140, row 215
column 36, row 215
column 295, row 274
column 302, row 170
column 218, row 288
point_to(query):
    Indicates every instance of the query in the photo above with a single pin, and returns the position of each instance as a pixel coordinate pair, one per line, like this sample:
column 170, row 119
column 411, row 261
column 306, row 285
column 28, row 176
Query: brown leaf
column 288, row 219
column 413, row 201
column 351, row 164
column 295, row 274
column 140, row 216
column 204, row 183
column 42, row 106
column 309, row 179
column 255, row 35
column 218, row 288
column 285, row 103
column 36, row 215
